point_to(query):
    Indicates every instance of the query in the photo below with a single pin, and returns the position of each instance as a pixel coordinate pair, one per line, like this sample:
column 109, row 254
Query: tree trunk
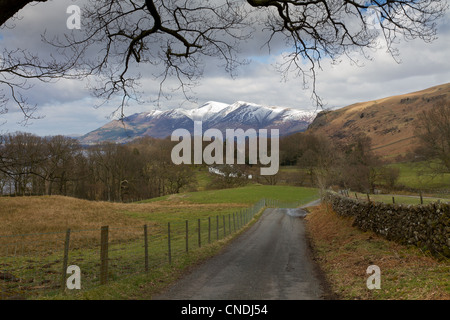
column 49, row 187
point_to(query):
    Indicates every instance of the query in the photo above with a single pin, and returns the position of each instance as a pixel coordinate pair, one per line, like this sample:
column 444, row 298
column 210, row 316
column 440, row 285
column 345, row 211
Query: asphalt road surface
column 270, row 261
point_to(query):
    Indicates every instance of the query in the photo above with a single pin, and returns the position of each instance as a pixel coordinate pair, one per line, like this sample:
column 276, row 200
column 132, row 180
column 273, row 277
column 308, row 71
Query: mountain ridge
column 218, row 115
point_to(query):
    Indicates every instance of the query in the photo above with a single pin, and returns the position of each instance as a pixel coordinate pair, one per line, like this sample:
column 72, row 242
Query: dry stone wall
column 425, row 226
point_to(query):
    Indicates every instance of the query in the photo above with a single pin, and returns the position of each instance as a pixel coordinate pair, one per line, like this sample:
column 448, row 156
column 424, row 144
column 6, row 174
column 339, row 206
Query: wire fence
column 388, row 198
column 34, row 265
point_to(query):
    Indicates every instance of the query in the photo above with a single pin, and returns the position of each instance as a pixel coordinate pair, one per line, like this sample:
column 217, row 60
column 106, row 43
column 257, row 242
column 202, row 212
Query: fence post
column 146, row 247
column 421, row 199
column 224, row 227
column 199, row 235
column 168, row 243
column 393, row 200
column 187, row 236
column 104, row 255
column 65, row 261
column 234, row 222
column 209, row 229
column 240, row 218
column 229, row 223
column 217, row 226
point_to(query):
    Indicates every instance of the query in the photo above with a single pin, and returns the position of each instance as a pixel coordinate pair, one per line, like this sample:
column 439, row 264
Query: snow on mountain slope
column 207, row 110
column 222, row 116
column 153, row 113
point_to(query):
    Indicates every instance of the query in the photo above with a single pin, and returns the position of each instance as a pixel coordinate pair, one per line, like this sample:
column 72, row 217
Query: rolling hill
column 390, row 122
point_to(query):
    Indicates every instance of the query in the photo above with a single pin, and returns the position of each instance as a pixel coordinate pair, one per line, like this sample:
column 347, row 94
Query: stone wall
column 425, row 226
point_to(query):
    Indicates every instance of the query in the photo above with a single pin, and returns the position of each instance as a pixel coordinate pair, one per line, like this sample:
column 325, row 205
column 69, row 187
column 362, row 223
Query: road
column 270, row 261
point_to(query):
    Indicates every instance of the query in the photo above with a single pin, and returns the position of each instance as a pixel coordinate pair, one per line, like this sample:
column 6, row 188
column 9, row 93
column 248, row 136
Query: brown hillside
column 389, row 122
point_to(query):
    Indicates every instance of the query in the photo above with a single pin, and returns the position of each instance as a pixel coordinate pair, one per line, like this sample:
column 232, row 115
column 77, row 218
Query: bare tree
column 60, row 152
column 433, row 133
column 21, row 156
column 174, row 36
column 360, row 166
column 389, row 176
column 180, row 34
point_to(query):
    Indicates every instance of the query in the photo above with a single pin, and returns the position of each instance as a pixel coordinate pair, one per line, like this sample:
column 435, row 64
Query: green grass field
column 252, row 193
column 245, row 195
column 416, row 175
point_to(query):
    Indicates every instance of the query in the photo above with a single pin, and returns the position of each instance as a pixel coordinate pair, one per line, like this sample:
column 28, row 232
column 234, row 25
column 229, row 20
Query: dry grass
column 345, row 252
column 25, row 215
column 44, row 220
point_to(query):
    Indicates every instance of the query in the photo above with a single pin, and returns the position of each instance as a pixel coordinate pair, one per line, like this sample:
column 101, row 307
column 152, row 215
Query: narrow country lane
column 270, row 261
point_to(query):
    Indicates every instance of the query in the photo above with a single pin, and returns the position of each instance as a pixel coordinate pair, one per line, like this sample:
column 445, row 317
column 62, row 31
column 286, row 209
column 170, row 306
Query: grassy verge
column 344, row 254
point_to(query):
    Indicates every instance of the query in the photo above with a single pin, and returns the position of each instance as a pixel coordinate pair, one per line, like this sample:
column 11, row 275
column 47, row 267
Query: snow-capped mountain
column 222, row 116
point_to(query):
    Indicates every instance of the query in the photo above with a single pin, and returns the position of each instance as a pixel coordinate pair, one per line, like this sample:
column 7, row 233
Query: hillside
column 390, row 122
column 161, row 124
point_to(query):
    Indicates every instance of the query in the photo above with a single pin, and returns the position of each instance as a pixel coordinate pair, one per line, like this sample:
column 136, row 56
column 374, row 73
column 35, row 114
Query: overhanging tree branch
column 9, row 8
column 175, row 36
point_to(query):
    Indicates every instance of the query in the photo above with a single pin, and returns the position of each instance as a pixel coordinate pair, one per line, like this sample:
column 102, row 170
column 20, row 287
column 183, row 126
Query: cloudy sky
column 67, row 106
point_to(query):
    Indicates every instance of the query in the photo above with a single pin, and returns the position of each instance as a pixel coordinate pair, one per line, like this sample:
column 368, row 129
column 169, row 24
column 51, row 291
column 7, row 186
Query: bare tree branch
column 176, row 36
column 9, row 8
